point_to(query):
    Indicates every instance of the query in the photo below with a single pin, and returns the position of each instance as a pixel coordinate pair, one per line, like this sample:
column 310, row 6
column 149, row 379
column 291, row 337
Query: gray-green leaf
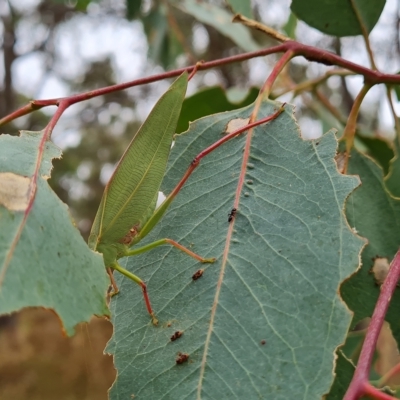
column 263, row 322
column 49, row 265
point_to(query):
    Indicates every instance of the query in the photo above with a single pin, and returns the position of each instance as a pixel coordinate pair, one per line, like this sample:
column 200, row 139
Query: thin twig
column 310, row 53
column 330, row 107
column 351, row 126
column 364, row 34
column 279, row 66
column 266, row 88
column 261, row 27
column 312, row 83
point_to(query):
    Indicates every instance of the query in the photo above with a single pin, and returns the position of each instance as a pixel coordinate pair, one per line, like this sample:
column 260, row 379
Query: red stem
column 266, row 89
column 37, row 104
column 298, row 49
column 359, row 384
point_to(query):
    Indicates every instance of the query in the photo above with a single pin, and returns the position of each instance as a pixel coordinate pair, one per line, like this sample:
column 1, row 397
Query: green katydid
column 127, row 211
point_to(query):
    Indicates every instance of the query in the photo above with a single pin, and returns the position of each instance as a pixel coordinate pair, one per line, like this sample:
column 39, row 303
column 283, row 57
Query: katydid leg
column 137, row 280
column 160, row 242
column 113, row 283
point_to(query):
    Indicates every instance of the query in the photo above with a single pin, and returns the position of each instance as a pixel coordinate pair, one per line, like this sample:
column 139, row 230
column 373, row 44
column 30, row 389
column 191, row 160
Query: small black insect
column 232, row 214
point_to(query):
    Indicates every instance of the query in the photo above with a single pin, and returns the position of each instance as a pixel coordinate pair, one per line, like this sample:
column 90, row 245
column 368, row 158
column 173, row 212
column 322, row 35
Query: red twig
column 37, row 104
column 359, row 385
column 298, row 49
column 266, row 89
column 196, row 161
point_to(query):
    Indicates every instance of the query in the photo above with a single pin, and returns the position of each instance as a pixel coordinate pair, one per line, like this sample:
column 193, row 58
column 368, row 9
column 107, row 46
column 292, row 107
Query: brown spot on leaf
column 182, row 357
column 176, row 335
column 14, row 191
column 340, row 161
column 198, row 274
column 380, row 269
column 235, row 124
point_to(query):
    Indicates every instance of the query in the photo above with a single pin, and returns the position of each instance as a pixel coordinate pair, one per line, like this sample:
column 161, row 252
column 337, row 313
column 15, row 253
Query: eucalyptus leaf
column 251, row 323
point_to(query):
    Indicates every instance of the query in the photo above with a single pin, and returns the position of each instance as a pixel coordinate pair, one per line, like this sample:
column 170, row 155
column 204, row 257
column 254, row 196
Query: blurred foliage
column 31, row 347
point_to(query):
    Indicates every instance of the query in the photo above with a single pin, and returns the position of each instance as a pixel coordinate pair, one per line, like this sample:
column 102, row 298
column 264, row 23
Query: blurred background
column 54, row 48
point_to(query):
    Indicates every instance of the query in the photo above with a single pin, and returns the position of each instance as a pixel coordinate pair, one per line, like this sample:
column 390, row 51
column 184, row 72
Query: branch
column 298, row 49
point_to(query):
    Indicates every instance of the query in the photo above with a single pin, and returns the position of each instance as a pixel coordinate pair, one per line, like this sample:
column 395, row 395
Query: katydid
column 127, row 211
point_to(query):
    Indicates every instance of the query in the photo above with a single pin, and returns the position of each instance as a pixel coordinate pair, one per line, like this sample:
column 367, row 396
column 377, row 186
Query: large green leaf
column 221, row 20
column 49, row 265
column 375, row 215
column 265, row 322
column 338, row 17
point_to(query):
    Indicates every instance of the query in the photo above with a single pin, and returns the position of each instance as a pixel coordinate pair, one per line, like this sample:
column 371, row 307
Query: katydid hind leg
column 114, row 285
column 138, row 281
column 171, row 242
